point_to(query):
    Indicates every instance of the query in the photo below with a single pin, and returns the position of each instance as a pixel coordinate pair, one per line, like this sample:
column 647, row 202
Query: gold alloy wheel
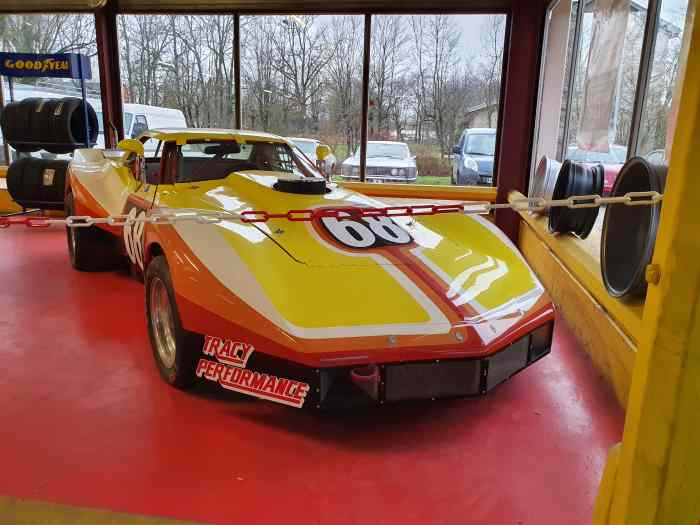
column 162, row 323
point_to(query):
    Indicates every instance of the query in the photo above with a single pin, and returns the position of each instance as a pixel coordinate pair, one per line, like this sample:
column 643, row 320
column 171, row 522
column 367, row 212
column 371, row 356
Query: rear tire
column 90, row 249
column 175, row 350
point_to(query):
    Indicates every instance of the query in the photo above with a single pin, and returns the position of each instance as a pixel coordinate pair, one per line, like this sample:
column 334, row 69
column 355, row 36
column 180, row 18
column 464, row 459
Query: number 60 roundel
column 366, row 232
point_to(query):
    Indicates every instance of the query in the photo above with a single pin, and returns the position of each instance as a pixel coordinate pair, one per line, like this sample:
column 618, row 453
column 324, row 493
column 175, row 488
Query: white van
column 140, row 117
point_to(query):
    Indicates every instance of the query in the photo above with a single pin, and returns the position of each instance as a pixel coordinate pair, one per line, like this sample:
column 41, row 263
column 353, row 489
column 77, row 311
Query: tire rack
column 87, row 144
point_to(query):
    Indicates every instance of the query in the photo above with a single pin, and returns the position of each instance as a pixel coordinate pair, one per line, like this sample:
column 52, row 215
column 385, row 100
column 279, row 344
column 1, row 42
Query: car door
column 157, row 167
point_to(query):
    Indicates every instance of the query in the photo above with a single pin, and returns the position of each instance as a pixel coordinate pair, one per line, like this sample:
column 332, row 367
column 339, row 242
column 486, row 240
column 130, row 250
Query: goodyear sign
column 64, row 65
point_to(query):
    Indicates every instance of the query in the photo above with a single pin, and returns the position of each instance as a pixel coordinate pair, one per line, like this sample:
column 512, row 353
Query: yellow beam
column 658, row 475
column 424, row 191
column 17, row 511
column 600, row 336
column 582, row 259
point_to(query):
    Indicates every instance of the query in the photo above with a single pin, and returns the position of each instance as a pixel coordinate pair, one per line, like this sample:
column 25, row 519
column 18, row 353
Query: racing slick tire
column 175, row 350
column 90, row 249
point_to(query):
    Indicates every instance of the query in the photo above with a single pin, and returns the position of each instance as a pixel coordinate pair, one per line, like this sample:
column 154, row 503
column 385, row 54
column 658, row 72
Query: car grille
column 378, row 171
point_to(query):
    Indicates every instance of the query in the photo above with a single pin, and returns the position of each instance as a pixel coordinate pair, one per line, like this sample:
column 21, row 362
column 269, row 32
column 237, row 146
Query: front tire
column 175, row 350
column 90, row 249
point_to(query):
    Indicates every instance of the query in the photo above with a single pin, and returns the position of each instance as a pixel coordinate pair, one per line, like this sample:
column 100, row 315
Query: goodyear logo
column 66, row 65
column 40, row 66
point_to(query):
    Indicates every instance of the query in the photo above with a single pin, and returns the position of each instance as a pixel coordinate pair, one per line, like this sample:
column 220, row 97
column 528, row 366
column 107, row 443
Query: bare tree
column 343, row 38
column 386, row 69
column 301, row 57
column 492, row 37
column 60, row 33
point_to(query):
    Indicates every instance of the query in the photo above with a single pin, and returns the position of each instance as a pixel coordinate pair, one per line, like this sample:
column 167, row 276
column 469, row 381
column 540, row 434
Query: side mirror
column 322, row 151
column 455, row 150
column 131, row 146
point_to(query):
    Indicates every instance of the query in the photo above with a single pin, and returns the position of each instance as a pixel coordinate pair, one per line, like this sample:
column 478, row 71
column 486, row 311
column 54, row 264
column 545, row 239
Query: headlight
column 402, row 172
column 394, row 171
column 471, row 164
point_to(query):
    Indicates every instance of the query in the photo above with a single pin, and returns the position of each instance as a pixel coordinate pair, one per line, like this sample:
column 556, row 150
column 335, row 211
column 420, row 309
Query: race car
column 264, row 278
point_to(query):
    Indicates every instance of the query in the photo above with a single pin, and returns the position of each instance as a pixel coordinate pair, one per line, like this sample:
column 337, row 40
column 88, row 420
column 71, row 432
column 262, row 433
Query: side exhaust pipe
column 367, row 379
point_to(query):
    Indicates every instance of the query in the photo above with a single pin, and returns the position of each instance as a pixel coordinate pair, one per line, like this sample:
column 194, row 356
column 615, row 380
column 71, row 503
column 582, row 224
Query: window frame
column 487, row 8
column 572, row 63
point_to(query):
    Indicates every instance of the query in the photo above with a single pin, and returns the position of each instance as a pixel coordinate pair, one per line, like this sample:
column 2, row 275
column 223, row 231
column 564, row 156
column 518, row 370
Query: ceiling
column 257, row 6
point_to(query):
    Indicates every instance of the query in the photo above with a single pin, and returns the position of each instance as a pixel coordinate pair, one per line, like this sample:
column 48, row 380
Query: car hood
column 457, row 274
column 378, row 162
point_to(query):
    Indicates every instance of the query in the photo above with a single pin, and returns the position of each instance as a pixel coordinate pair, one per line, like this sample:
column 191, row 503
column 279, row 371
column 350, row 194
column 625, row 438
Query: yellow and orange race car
column 265, row 278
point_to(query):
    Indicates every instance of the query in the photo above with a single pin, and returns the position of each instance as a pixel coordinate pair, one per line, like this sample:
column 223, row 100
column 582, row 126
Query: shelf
column 582, row 259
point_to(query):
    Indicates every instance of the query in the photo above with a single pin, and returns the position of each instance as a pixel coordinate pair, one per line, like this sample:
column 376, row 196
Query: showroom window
column 434, row 93
column 301, row 77
column 654, row 130
column 176, row 71
column 50, row 33
column 591, row 108
column 605, row 81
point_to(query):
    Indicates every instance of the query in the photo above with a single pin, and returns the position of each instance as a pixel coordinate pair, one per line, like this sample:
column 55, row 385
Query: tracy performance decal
column 229, row 352
column 265, row 386
column 133, row 237
column 366, row 232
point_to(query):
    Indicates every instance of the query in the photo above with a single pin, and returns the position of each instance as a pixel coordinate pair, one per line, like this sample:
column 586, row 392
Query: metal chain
column 635, row 198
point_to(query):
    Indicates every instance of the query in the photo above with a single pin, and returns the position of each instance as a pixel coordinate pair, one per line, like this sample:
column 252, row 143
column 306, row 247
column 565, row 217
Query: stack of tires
column 56, row 125
column 38, row 183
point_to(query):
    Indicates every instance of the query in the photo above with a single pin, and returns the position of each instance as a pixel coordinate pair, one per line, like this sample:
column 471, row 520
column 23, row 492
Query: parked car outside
column 611, row 160
column 472, row 162
column 387, row 161
column 308, row 148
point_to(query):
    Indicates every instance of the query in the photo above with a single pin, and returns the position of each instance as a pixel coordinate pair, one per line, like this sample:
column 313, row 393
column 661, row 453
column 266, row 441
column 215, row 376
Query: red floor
column 85, row 420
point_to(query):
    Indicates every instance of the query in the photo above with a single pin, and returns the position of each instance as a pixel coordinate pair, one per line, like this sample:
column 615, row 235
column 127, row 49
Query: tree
column 344, row 84
column 492, row 38
column 386, row 69
column 301, row 59
column 55, row 33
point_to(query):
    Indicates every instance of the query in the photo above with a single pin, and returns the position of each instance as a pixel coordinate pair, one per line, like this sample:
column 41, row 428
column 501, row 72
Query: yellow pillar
column 655, row 477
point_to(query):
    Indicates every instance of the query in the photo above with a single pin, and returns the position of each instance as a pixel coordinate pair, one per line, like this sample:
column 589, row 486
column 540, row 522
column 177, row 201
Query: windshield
column 307, row 146
column 127, row 121
column 617, row 155
column 208, row 160
column 382, row 149
column 481, row 144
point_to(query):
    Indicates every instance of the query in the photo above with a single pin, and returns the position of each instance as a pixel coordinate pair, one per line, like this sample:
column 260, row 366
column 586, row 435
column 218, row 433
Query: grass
column 435, row 181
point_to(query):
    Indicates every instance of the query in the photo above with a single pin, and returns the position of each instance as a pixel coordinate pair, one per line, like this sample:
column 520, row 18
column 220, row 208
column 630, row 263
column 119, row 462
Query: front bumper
column 380, row 180
column 473, row 178
column 294, row 384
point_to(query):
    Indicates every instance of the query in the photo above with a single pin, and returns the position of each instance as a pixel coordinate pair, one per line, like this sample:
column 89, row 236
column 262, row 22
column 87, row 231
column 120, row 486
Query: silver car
column 386, row 162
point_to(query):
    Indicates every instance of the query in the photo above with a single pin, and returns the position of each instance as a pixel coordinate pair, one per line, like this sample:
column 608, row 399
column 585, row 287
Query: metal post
column 110, row 82
column 84, row 95
column 524, row 34
column 645, row 63
column 5, row 146
column 238, row 117
column 573, row 64
column 12, row 90
column 365, row 95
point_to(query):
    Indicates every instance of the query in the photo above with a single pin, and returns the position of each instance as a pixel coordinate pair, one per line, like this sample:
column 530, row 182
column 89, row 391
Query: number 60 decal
column 366, row 232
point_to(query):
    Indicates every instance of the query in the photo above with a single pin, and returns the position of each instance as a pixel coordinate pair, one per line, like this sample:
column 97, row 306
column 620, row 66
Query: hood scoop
column 305, row 186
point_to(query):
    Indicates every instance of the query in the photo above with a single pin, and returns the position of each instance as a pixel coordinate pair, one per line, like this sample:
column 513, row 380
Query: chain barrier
column 636, row 198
